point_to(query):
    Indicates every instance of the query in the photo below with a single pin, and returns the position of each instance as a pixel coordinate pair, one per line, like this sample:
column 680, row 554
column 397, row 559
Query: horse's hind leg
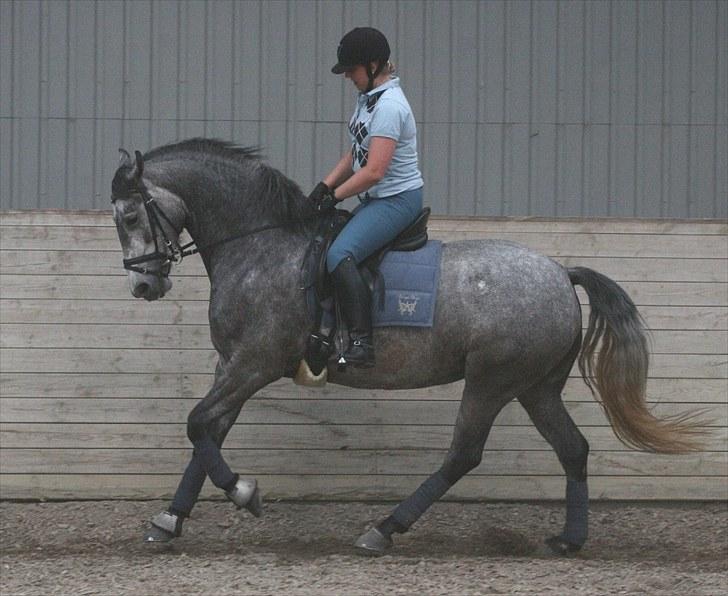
column 480, row 404
column 546, row 410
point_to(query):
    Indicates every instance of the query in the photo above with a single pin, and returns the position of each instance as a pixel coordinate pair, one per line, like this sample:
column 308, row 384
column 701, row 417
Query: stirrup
column 360, row 353
column 245, row 495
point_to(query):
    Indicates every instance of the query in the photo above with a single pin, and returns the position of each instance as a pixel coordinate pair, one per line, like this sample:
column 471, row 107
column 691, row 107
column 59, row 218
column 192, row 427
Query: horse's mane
column 246, row 180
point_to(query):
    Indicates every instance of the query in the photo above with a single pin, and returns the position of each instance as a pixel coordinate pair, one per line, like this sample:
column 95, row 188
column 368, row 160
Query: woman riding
column 381, row 168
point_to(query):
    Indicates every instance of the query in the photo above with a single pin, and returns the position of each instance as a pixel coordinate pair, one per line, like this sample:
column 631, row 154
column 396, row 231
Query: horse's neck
column 263, row 256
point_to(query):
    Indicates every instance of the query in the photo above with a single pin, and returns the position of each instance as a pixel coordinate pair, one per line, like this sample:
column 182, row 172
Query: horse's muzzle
column 149, row 287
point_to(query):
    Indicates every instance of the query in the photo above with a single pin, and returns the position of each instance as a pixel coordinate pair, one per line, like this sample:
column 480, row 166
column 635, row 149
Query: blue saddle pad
column 410, row 280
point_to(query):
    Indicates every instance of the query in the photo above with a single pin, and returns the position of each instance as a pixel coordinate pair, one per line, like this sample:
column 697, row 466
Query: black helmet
column 362, row 45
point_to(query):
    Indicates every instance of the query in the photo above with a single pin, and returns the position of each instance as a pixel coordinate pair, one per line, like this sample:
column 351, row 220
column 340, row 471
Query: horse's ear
column 124, row 158
column 139, row 169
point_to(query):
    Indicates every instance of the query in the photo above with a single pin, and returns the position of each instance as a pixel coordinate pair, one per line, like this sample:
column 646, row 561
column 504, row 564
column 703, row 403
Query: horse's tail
column 618, row 371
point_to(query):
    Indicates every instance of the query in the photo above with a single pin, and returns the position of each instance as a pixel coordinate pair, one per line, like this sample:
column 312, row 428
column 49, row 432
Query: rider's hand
column 322, row 198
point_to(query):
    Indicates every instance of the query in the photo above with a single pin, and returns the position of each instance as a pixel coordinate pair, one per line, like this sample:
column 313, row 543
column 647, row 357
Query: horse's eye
column 131, row 219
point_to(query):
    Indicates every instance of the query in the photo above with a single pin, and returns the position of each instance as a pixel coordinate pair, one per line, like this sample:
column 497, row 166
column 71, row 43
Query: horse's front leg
column 207, row 426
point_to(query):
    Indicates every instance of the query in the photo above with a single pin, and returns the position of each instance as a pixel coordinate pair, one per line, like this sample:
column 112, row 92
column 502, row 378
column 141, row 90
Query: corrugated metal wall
column 524, row 108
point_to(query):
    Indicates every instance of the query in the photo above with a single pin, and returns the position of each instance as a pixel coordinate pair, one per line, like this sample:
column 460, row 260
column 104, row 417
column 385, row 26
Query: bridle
column 173, row 251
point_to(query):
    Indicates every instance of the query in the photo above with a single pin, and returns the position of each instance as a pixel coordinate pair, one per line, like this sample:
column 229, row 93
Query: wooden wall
column 95, row 386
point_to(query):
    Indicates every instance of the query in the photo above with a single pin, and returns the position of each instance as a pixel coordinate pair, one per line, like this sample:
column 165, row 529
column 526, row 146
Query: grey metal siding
column 553, row 108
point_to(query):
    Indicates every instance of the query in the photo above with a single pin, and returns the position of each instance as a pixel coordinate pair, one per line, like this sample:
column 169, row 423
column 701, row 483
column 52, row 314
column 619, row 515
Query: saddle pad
column 410, row 281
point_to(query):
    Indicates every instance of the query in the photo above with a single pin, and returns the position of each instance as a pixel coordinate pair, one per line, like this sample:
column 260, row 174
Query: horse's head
column 149, row 220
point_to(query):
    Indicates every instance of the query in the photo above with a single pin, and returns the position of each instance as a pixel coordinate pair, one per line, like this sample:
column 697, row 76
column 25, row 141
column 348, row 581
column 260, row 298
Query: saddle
column 315, row 274
column 319, row 288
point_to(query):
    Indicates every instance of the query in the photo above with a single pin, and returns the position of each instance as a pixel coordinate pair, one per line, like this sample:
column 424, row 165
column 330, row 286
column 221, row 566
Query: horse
column 507, row 321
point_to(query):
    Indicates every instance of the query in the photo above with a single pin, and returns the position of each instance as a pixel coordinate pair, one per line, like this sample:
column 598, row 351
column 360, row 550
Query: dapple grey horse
column 507, row 320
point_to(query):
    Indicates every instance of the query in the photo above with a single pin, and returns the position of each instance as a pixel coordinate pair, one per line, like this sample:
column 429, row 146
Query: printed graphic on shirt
column 360, row 132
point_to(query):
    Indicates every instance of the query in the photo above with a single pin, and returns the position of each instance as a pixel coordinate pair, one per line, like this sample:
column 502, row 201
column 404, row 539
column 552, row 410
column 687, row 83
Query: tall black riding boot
column 356, row 305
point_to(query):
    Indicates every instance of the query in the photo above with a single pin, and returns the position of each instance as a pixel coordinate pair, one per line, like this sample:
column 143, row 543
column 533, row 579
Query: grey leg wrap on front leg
column 209, row 456
column 412, row 508
column 189, row 488
column 577, row 512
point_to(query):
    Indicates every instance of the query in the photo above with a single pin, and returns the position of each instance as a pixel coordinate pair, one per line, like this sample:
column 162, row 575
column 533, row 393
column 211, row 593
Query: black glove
column 322, row 198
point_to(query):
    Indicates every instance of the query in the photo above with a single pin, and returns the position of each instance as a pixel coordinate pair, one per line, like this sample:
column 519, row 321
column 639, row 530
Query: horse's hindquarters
column 497, row 302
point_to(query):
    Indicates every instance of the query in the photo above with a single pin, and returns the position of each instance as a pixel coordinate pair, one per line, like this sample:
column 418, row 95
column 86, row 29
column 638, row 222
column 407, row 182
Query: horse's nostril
column 142, row 289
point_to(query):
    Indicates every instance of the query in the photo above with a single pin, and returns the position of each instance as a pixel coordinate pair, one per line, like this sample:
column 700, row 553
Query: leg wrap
column 189, row 488
column 209, row 456
column 577, row 512
column 412, row 508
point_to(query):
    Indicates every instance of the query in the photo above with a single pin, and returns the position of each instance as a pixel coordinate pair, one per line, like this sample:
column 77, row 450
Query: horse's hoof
column 165, row 526
column 158, row 536
column 245, row 495
column 373, row 543
column 558, row 545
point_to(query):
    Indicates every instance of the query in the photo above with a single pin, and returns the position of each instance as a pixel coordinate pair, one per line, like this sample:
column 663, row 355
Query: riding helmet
column 361, row 45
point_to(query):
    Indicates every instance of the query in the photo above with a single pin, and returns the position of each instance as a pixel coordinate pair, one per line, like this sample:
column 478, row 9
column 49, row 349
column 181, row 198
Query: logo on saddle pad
column 407, row 304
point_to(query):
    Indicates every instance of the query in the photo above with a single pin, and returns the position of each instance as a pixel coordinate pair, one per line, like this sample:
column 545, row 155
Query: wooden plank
column 169, row 311
column 49, row 335
column 605, row 225
column 195, row 386
column 116, row 287
column 357, row 488
column 80, row 360
column 297, row 436
column 251, row 462
column 305, row 411
column 71, row 262
column 554, row 244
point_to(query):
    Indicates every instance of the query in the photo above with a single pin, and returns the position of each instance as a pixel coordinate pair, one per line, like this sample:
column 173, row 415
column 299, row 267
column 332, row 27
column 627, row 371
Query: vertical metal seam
column 610, row 124
column 233, row 66
column 94, row 140
column 124, row 65
column 504, row 94
column 689, row 197
column 663, row 129
column 178, row 93
column 39, row 138
column 584, row 130
column 557, row 147
column 13, row 115
column 317, row 58
column 68, row 106
column 206, row 68
column 260, row 74
column 451, row 107
column 715, row 111
column 151, row 85
column 478, row 49
column 530, row 106
column 290, row 124
column 637, row 128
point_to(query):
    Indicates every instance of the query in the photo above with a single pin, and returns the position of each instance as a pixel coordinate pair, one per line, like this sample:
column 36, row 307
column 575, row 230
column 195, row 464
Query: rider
column 381, row 168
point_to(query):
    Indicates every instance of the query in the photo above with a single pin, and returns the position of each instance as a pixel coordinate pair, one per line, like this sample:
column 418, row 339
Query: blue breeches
column 375, row 222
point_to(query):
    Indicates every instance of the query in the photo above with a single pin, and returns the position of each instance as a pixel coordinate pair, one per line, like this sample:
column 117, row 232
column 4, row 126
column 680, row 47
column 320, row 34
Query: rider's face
column 358, row 76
